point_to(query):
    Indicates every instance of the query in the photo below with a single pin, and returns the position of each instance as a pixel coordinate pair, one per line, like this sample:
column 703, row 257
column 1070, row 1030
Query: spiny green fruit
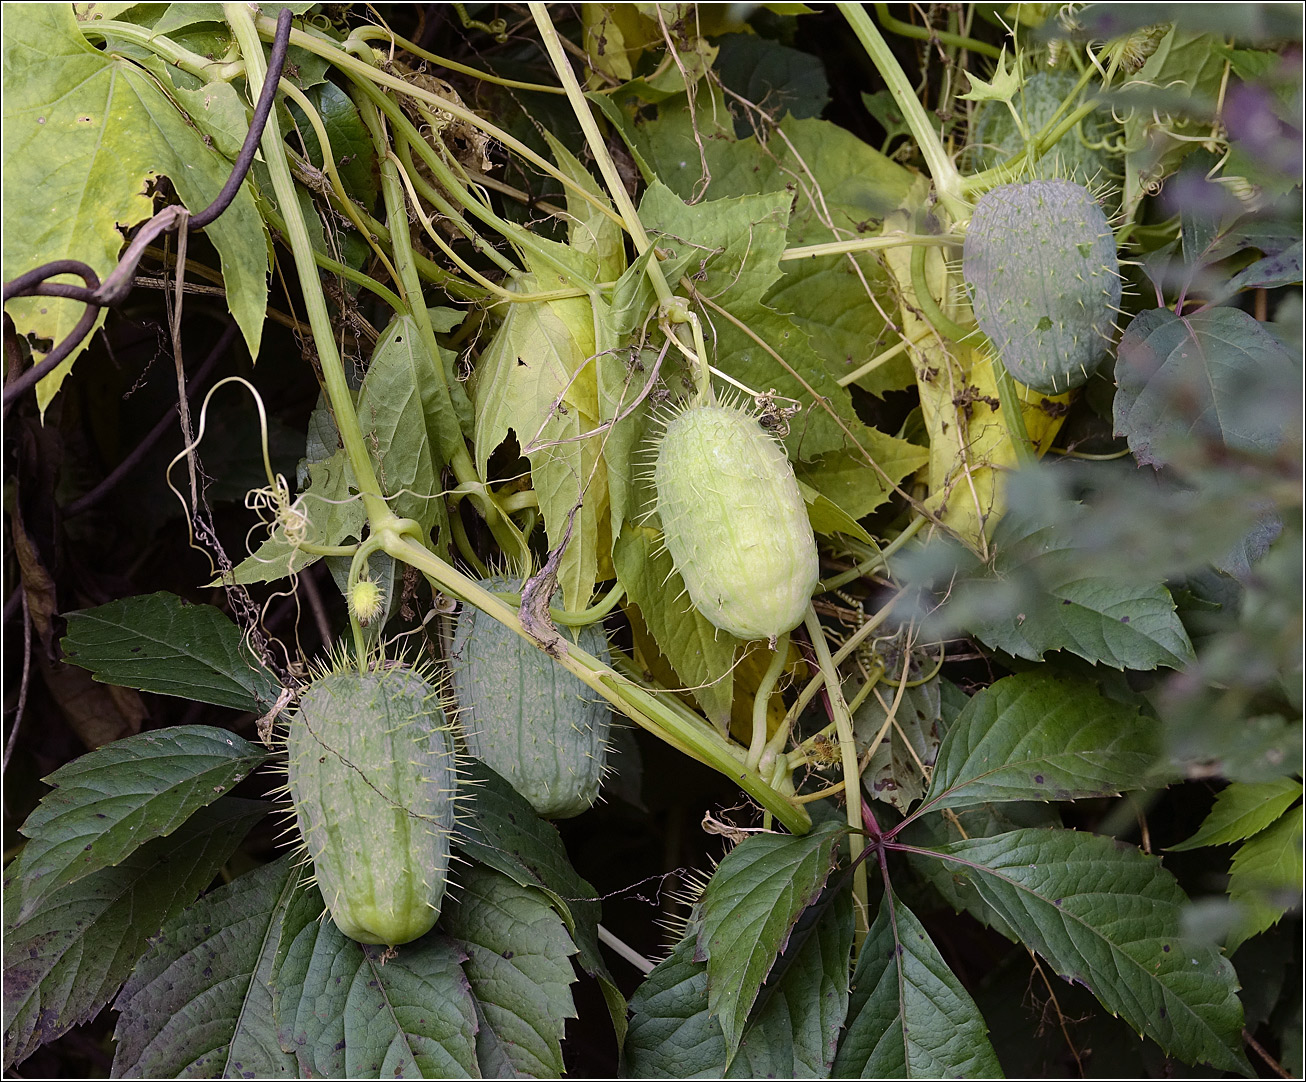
column 1041, row 262
column 995, row 136
column 527, row 717
column 372, row 780
column 735, row 521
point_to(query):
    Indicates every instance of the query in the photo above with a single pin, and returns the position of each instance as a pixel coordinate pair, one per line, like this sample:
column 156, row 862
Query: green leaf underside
column 395, row 405
column 518, row 964
column 1038, row 736
column 540, row 357
column 84, row 134
column 199, row 1004
column 1107, row 916
column 1042, row 597
column 109, row 802
column 347, row 1011
column 792, row 1033
column 498, row 827
column 748, row 911
column 159, row 643
column 701, row 655
column 69, row 959
column 1242, row 810
column 909, row 1016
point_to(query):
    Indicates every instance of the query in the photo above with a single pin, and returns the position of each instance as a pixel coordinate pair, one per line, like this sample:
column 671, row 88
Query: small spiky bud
column 366, row 600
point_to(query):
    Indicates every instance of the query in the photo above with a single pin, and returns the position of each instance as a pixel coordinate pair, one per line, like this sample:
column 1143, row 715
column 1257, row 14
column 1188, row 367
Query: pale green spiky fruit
column 525, row 716
column 372, row 780
column 735, row 521
column 1040, row 259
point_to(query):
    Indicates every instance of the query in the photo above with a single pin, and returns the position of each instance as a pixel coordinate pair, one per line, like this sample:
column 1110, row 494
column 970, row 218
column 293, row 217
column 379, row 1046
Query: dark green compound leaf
column 748, row 911
column 497, row 827
column 794, row 1028
column 68, row 960
column 1242, row 810
column 1039, row 736
column 1045, row 594
column 671, row 1033
column 909, row 1016
column 109, row 802
column 159, row 643
column 518, row 963
column 1265, row 877
column 1107, row 916
column 199, row 1004
column 352, row 1011
column 793, row 1031
column 1213, row 376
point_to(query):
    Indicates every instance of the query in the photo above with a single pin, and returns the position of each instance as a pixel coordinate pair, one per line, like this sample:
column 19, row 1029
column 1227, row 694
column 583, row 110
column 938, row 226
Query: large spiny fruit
column 527, row 717
column 735, row 521
column 371, row 775
column 1041, row 262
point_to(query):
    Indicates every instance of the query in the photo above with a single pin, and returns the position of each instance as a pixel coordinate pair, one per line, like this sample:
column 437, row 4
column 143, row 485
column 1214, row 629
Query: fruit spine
column 735, row 521
column 1041, row 262
column 525, row 716
column 372, row 780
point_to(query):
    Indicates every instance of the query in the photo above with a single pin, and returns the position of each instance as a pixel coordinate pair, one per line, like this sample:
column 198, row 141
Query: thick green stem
column 848, row 755
column 947, row 181
column 762, row 699
column 241, row 21
column 686, row 732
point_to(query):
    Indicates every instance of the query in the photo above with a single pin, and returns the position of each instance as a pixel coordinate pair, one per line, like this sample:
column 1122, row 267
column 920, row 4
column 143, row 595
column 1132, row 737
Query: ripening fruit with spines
column 1040, row 260
column 527, row 717
column 372, row 780
column 366, row 600
column 734, row 521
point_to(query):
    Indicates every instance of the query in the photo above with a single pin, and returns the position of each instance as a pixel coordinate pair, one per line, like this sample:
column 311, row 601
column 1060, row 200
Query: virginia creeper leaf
column 498, row 827
column 1039, row 736
column 1044, row 594
column 1242, row 810
column 909, row 1016
column 110, row 801
column 349, row 1011
column 1265, row 877
column 748, row 910
column 199, row 1004
column 1216, row 375
column 158, row 642
column 793, row 1030
column 518, row 964
column 84, row 134
column 1107, row 916
column 69, row 959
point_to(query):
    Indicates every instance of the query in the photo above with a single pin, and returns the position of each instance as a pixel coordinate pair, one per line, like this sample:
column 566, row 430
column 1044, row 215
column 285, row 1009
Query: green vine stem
column 848, row 755
column 761, row 700
column 943, row 37
column 947, row 181
column 241, row 20
column 681, row 729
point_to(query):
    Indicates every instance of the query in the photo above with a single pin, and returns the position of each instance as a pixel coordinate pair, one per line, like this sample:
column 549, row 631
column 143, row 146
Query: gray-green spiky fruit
column 1040, row 259
column 527, row 717
column 995, row 136
column 372, row 779
column 735, row 521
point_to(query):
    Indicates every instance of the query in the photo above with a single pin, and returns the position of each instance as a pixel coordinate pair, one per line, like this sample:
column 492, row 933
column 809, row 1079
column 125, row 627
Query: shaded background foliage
column 73, row 544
